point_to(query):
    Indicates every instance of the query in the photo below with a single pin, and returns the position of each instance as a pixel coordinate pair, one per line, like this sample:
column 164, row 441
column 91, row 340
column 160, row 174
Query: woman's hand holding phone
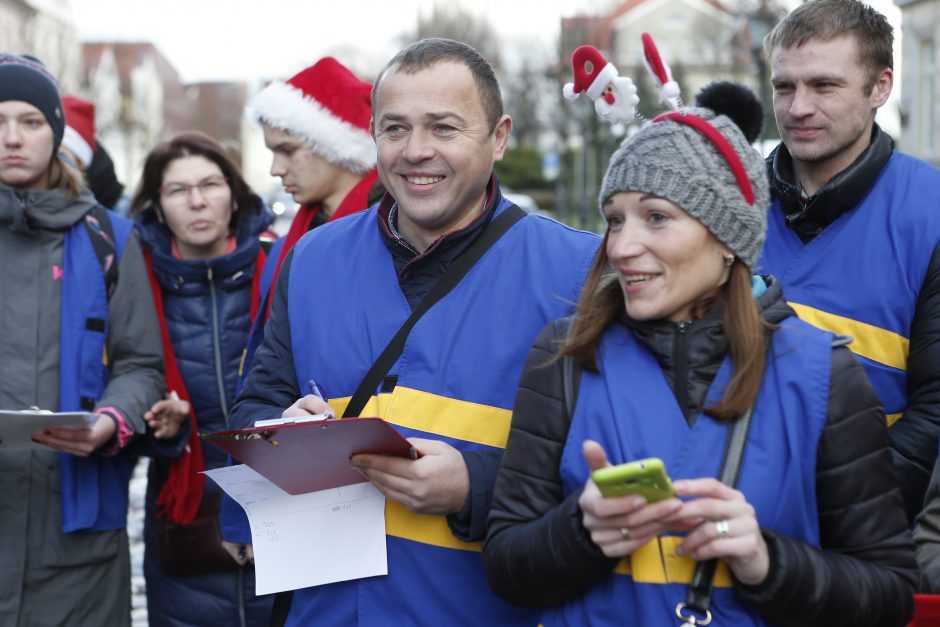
column 721, row 524
column 619, row 525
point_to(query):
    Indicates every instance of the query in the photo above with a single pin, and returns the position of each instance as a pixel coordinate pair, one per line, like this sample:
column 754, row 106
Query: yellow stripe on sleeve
column 874, row 343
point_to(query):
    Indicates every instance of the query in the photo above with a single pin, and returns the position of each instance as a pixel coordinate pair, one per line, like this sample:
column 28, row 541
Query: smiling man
column 854, row 225
column 347, row 288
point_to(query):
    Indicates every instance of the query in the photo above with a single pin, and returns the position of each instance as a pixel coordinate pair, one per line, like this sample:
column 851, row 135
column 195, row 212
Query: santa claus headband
column 591, row 73
column 79, row 137
column 328, row 108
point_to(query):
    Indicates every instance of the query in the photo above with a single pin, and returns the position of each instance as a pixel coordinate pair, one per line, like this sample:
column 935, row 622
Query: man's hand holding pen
column 315, row 402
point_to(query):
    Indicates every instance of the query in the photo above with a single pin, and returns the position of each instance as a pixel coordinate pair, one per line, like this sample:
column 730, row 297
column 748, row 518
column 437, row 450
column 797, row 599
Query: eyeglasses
column 209, row 188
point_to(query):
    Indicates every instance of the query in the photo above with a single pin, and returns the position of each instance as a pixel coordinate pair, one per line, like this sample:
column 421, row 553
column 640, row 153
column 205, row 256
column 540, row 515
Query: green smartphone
column 646, row 477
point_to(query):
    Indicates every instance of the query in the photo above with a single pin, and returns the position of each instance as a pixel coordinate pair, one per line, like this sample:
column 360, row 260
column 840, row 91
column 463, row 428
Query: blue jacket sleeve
column 233, row 522
column 270, row 388
column 469, row 524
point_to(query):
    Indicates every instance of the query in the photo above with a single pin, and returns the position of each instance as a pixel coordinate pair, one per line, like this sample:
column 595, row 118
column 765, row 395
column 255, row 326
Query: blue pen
column 314, row 388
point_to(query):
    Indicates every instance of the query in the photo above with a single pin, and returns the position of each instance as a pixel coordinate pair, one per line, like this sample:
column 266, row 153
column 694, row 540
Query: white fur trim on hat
column 607, row 74
column 78, row 146
column 339, row 142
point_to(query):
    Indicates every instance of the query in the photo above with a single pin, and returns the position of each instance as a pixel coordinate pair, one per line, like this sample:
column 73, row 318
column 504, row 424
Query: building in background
column 139, row 100
column 43, row 29
column 920, row 116
column 217, row 109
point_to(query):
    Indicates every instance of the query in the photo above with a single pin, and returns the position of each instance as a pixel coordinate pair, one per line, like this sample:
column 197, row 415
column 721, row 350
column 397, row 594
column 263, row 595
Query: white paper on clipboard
column 18, row 427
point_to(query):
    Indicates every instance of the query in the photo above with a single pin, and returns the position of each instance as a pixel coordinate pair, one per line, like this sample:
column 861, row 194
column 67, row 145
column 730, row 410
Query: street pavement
column 135, row 533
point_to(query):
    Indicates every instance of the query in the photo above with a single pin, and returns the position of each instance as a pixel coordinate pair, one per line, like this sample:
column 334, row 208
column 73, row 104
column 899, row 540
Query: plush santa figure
column 614, row 96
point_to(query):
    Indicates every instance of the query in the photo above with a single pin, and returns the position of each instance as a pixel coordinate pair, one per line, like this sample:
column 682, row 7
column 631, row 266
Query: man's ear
column 501, row 133
column 372, row 127
column 882, row 88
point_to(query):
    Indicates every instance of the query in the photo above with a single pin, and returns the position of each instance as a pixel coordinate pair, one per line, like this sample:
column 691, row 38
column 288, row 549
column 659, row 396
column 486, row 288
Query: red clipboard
column 309, row 456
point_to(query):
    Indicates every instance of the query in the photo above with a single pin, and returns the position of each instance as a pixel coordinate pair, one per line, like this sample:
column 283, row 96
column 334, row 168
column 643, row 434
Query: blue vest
column 457, row 380
column 631, row 411
column 94, row 488
column 862, row 275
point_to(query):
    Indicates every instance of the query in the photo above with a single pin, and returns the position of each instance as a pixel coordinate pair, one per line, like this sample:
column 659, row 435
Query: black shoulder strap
column 457, row 270
column 101, row 233
column 700, row 590
column 571, row 378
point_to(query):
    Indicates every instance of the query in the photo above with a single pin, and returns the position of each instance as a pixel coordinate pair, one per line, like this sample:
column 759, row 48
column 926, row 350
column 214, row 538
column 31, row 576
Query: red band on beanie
column 722, row 144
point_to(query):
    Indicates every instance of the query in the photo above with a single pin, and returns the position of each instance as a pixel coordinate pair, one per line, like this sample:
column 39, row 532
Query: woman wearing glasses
column 202, row 229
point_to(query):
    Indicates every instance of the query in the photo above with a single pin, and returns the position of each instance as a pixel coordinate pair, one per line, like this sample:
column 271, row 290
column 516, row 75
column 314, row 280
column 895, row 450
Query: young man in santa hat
column 317, row 127
column 78, row 142
column 80, row 145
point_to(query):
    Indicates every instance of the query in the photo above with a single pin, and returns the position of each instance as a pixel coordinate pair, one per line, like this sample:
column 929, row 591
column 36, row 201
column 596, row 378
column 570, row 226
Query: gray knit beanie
column 26, row 79
column 679, row 163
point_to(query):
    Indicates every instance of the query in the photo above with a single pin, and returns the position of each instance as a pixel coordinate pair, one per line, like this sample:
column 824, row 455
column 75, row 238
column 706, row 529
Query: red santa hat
column 79, row 135
column 592, row 72
column 328, row 108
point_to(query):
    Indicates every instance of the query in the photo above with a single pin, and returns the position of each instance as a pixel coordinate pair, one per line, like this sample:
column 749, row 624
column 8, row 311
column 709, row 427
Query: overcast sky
column 249, row 39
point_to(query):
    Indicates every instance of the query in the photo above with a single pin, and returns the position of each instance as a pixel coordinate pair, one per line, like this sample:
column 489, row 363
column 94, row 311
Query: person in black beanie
column 74, row 288
column 26, row 79
column 104, row 183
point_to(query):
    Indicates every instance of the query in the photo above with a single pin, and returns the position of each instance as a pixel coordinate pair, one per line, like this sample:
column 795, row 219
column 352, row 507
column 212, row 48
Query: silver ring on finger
column 625, row 532
column 722, row 528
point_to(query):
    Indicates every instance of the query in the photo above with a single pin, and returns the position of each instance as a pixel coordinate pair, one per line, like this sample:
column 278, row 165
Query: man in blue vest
column 348, row 286
column 854, row 225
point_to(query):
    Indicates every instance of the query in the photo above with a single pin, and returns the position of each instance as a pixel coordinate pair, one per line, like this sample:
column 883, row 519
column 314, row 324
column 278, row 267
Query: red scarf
column 356, row 200
column 180, row 496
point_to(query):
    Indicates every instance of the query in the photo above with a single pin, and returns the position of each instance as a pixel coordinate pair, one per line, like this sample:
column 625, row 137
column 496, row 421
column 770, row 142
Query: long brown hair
column 601, row 302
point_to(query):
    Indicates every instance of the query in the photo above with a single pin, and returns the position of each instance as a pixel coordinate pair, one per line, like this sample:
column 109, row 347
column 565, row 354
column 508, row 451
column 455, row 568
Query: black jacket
column 914, row 436
column 538, row 552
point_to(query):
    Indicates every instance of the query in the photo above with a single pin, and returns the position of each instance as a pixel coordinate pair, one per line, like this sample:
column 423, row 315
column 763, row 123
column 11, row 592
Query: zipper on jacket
column 217, row 348
column 680, row 361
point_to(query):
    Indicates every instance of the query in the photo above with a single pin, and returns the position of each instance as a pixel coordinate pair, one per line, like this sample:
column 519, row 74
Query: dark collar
column 448, row 246
column 809, row 216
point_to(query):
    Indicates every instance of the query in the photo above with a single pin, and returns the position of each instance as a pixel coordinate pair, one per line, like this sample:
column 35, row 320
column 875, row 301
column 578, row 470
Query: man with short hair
column 346, row 289
column 853, row 226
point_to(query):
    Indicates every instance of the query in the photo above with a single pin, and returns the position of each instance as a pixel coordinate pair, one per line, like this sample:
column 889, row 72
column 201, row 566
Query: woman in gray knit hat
column 779, row 509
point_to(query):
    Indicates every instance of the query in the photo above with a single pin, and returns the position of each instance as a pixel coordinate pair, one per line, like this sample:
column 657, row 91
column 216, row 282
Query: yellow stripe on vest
column 874, row 343
column 448, row 417
column 657, row 562
column 401, row 523
column 462, row 420
column 893, row 418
